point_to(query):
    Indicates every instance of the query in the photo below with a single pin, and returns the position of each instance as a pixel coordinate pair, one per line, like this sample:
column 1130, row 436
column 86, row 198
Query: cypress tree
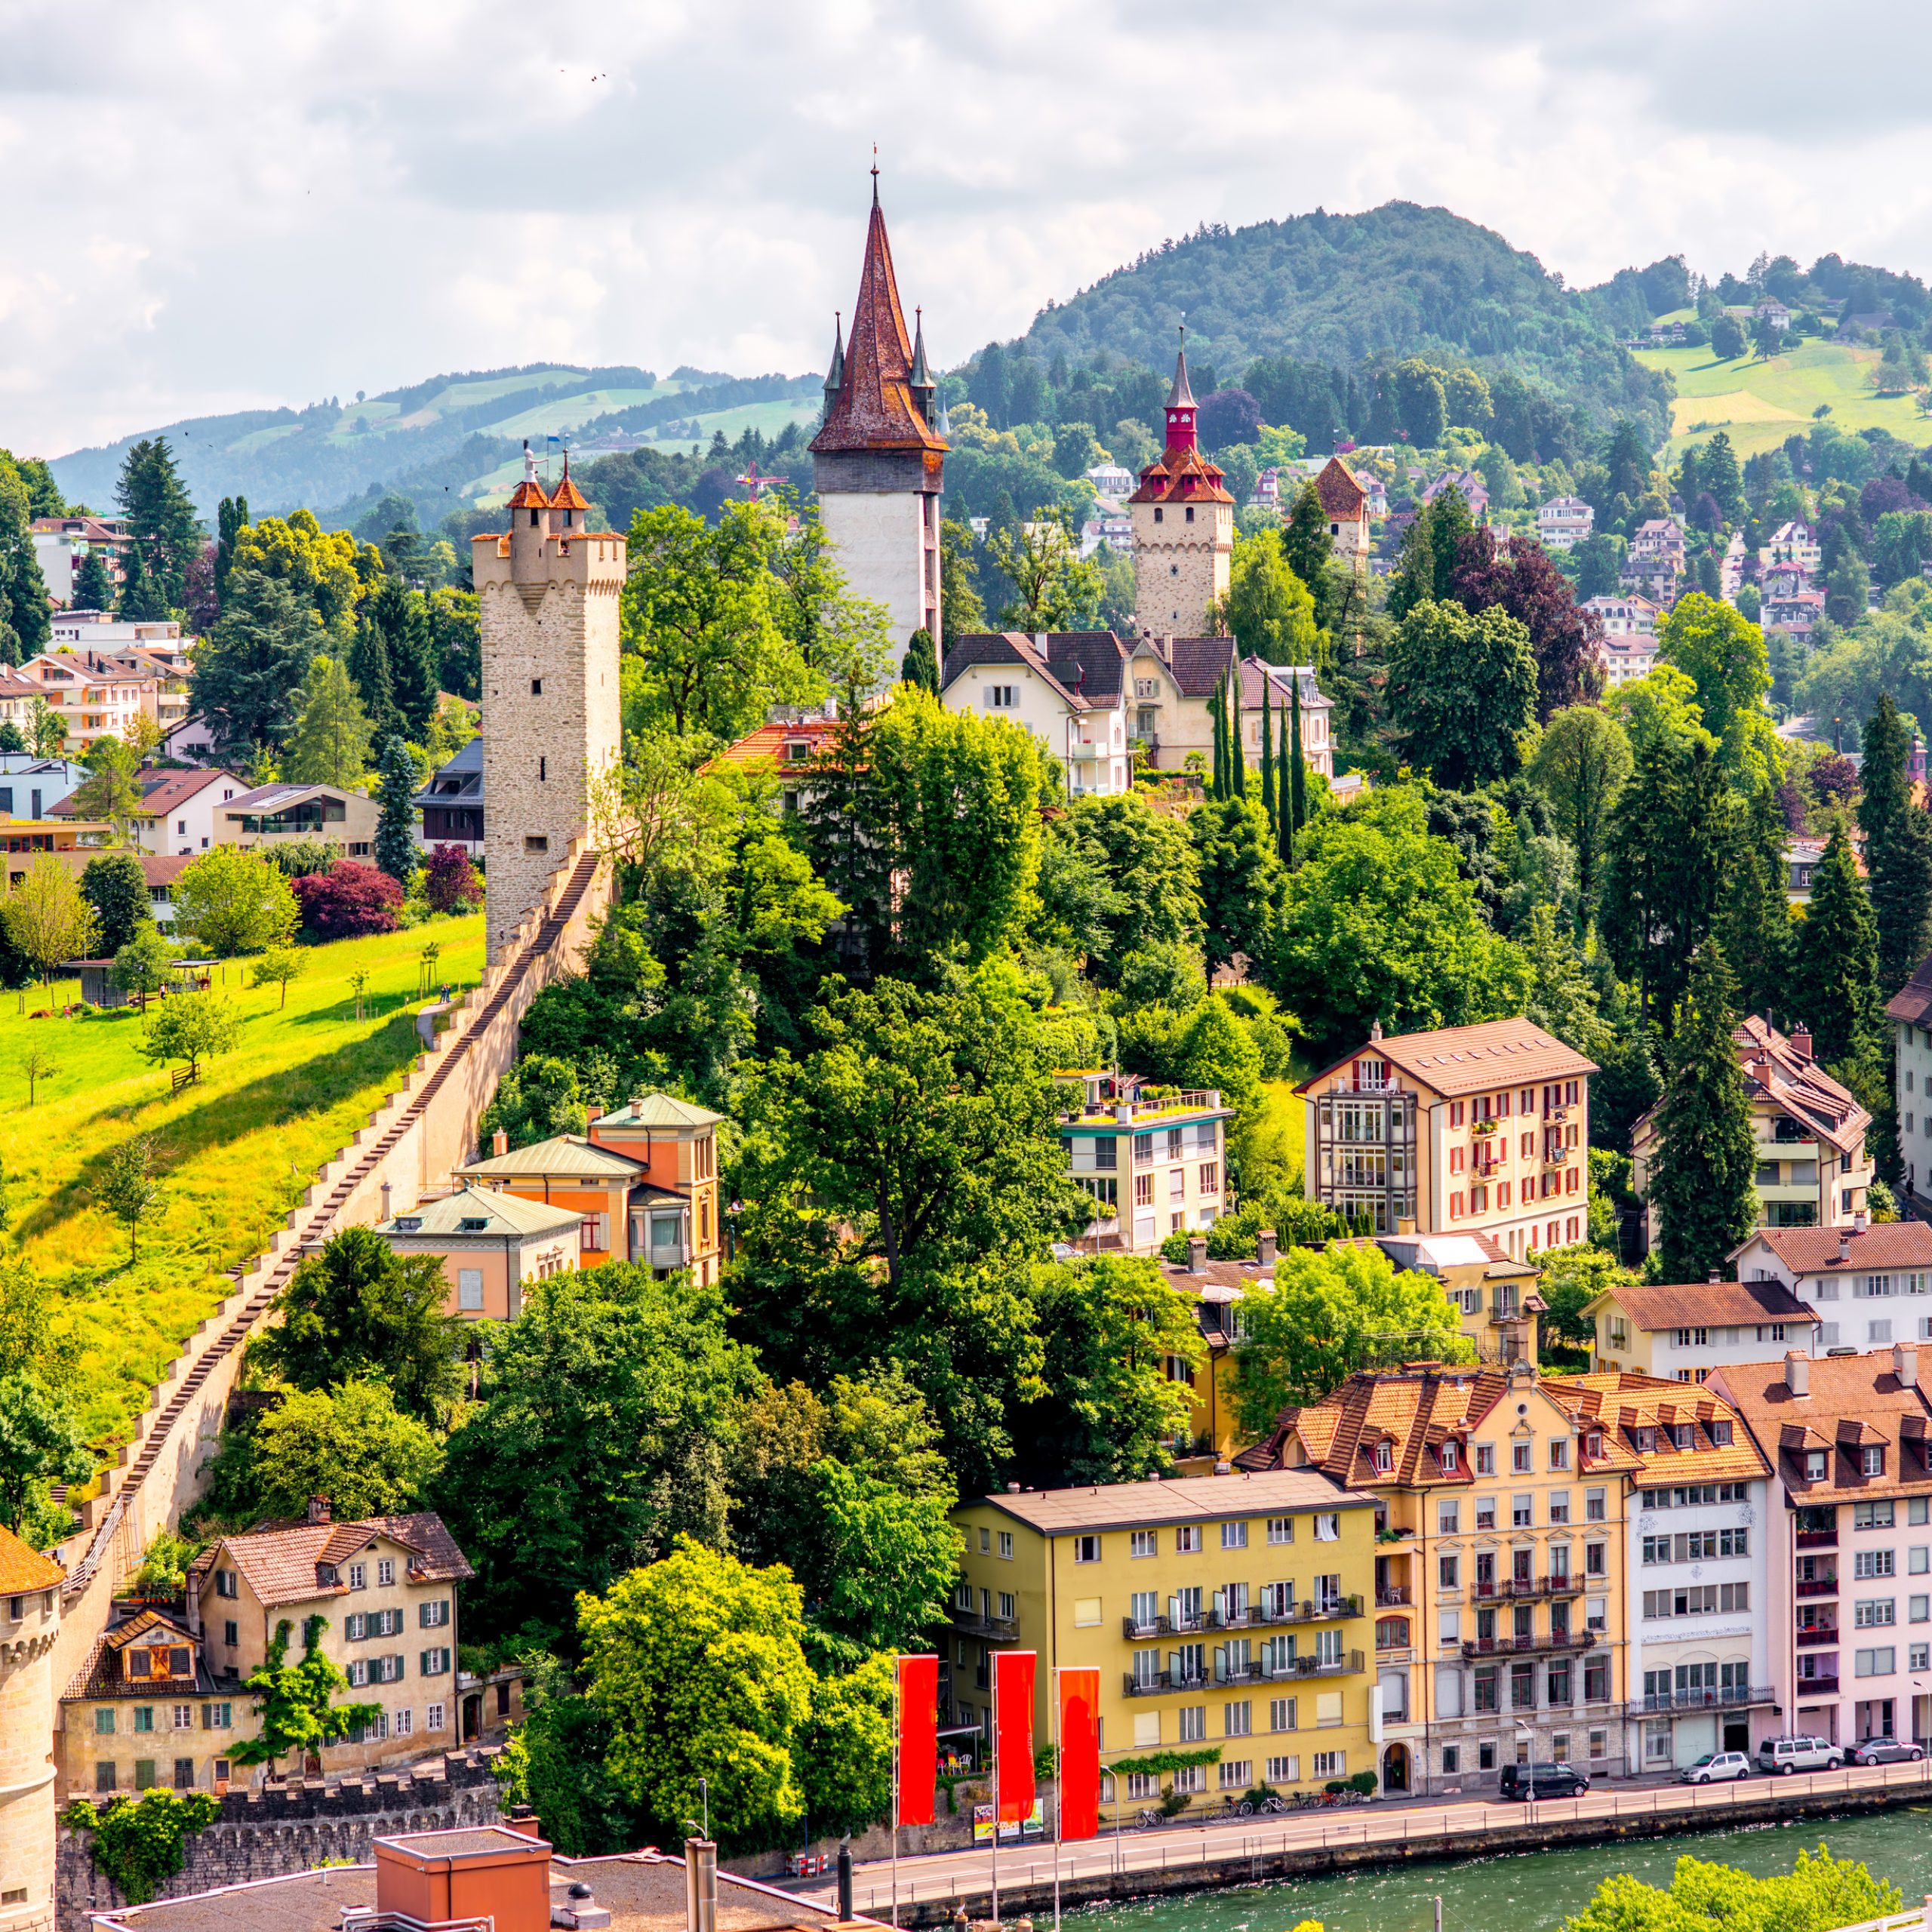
column 1297, row 771
column 1237, row 758
column 1220, row 788
column 1898, row 848
column 396, row 843
column 1837, row 977
column 1268, row 795
column 921, row 664
column 1701, row 1180
column 1754, row 922
column 369, row 671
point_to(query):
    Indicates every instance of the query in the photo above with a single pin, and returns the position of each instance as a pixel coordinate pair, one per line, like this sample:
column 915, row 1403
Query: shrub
column 349, row 901
column 450, row 884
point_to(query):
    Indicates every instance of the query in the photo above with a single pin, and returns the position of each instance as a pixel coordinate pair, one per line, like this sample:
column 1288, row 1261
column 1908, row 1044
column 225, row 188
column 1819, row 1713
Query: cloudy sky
column 214, row 205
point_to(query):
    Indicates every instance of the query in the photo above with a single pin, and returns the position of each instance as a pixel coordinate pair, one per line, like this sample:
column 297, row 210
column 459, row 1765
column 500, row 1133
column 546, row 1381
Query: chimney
column 593, row 1112
column 318, row 1510
column 1859, row 1221
column 1266, row 1247
column 1801, row 1041
column 1797, row 1372
column 1716, row 1278
column 700, row 1885
column 1197, row 1253
column 386, row 1200
column 1905, row 1364
column 499, row 1141
column 1844, row 1244
column 1405, row 1224
column 1375, row 1030
column 522, row 1820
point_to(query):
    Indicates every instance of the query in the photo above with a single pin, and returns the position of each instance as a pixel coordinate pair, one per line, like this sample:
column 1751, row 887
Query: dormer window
column 1385, row 1457
column 1871, row 1459
column 1451, row 1458
column 1814, row 1465
column 1647, row 1442
column 1593, row 1443
column 1683, row 1434
column 1721, row 1433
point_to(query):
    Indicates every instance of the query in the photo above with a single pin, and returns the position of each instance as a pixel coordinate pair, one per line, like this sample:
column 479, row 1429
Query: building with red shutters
column 1184, row 527
column 878, row 459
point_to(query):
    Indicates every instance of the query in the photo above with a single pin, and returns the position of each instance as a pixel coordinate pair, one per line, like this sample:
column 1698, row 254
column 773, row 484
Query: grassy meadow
column 234, row 1152
column 1759, row 404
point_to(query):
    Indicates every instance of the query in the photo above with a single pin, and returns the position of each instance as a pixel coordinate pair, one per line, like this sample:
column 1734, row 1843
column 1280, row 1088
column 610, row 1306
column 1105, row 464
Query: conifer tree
column 1701, row 1180
column 1837, row 976
column 94, row 584
column 1754, row 922
column 330, row 745
column 1297, row 770
column 1898, row 848
column 162, row 529
column 1267, row 797
column 1305, row 542
column 230, row 521
column 1237, row 758
column 921, row 664
column 395, row 842
column 369, row 670
column 1218, row 708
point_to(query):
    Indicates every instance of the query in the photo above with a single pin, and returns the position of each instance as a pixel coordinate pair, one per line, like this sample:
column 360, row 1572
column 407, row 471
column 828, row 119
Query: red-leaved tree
column 349, row 901
column 450, row 884
column 1531, row 589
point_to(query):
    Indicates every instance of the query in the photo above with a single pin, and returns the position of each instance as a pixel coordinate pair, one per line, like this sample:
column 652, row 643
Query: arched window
column 1392, row 1633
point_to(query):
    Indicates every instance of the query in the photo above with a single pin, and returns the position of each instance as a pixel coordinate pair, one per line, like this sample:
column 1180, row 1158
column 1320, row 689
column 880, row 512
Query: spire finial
column 875, row 174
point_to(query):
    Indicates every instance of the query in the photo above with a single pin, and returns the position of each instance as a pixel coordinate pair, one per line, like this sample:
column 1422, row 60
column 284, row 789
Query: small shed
column 97, row 986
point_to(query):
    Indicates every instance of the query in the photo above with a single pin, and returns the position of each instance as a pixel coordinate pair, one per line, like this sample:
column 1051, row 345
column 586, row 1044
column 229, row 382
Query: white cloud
column 218, row 205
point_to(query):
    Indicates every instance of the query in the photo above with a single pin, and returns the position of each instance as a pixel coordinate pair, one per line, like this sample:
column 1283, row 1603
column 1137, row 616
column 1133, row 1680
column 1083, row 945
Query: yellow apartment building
column 1224, row 1612
column 1499, row 1574
column 1477, row 1130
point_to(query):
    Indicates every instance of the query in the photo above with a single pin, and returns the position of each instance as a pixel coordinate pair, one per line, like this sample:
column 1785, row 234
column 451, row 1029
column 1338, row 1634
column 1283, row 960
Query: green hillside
column 1341, row 290
column 1760, row 402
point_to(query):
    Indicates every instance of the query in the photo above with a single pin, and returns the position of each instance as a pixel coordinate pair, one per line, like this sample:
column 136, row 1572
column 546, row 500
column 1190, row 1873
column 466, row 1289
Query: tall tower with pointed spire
column 878, row 459
column 546, row 596
column 1183, row 527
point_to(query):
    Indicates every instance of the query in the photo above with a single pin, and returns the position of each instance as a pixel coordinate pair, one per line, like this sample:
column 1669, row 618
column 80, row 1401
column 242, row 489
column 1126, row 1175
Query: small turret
column 530, row 520
column 1180, row 403
column 920, row 381
column 834, row 373
column 567, row 505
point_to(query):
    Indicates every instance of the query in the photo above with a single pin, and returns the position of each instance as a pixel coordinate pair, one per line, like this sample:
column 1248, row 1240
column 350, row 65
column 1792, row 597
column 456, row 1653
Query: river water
column 1532, row 1891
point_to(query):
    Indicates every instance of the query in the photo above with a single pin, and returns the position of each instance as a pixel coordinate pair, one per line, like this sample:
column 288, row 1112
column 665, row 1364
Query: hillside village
column 1323, row 1039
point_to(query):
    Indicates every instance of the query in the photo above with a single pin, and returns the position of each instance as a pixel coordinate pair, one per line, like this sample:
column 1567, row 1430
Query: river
column 1532, row 1891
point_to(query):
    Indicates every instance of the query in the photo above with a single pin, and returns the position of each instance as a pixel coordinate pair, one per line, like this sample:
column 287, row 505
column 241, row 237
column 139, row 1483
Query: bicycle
column 1149, row 1818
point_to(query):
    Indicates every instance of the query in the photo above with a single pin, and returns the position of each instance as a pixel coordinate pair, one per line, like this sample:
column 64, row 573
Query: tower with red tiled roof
column 1183, row 527
column 546, row 592
column 878, row 459
column 30, row 1584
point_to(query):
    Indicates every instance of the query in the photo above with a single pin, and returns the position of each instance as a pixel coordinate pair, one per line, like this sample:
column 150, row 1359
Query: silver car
column 1715, row 1766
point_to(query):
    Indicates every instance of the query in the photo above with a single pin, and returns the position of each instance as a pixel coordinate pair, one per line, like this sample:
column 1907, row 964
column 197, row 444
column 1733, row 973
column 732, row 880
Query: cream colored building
column 90, row 703
column 1223, row 1613
column 299, row 814
column 1467, row 1130
column 1068, row 688
column 1680, row 1333
column 490, row 1242
column 547, row 593
column 1493, row 1294
column 29, row 1621
column 1173, row 682
column 1184, row 528
column 1155, row 1166
column 144, row 1711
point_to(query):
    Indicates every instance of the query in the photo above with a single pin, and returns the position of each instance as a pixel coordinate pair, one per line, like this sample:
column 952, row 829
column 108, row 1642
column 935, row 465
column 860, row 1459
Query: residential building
column 76, row 842
column 1787, row 578
column 1680, row 1333
column 1317, row 749
column 181, row 811
column 1699, row 1545
column 490, row 1242
column 1231, row 1610
column 30, row 786
column 1812, row 1164
column 1499, row 1570
column 1475, row 492
column 59, row 543
column 92, row 702
column 1869, row 1283
column 386, row 1591
column 1345, row 503
column 18, row 695
column 1156, row 1165
column 1802, row 853
column 1465, row 1130
column 1772, row 311
column 299, row 814
column 878, row 459
column 452, row 802
column 1175, row 681
column 1625, row 659
column 161, row 875
column 1849, row 1605
column 1799, row 612
column 1183, row 527
column 1622, row 616
column 1069, row 688
column 1564, row 522
column 132, row 650
column 1218, row 1289
column 1493, row 1291
column 1910, row 1012
column 1797, row 543
column 643, row 1182
column 1112, row 481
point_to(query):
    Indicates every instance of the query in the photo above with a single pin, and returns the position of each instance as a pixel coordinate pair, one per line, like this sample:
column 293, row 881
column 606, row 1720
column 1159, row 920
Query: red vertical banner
column 919, row 1740
column 1013, row 1740
column 1079, row 1753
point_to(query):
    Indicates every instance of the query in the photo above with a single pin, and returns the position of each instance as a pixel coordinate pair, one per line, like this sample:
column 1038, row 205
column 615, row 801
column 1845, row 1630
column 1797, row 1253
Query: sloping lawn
column 234, row 1152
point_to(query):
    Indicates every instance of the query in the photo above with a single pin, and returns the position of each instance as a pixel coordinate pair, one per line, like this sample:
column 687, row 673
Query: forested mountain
column 1344, row 290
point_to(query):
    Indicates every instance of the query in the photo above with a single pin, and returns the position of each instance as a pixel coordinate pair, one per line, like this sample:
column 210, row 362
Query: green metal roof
column 568, row 1157
column 658, row 1110
column 500, row 1214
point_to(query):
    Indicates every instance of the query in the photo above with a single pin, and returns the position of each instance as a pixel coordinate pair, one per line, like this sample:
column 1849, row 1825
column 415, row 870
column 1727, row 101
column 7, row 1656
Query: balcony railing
column 1153, row 1685
column 1559, row 1644
column 1393, row 1595
column 976, row 1623
column 1816, row 1687
column 1734, row 1699
column 1817, row 1538
column 1139, row 1113
column 1817, row 1586
column 1810, row 1640
column 1519, row 1587
column 1350, row 1663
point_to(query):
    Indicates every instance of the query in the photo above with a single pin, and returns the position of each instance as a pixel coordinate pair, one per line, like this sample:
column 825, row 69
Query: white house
column 1564, row 522
column 30, row 787
column 1871, row 1285
column 1910, row 1012
column 178, row 810
column 1069, row 688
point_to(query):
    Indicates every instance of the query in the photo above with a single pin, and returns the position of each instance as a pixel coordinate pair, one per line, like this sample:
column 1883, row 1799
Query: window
column 1327, row 1526
column 1234, row 1536
column 1879, row 1663
column 1485, row 1459
column 1284, row 1770
column 385, row 1575
column 1559, row 1505
column 434, row 1663
column 1596, row 1559
column 1873, row 1613
column 1143, row 1542
column 469, row 1289
column 433, row 1616
column 1331, row 1763
column 1871, row 1515
column 1237, row 1773
column 1485, row 1513
column 1193, row 1725
column 1006, row 1610
column 1086, row 1549
column 1446, row 1458
column 1448, row 1515
column 1280, row 1529
column 144, row 1717
column 985, row 1544
column 1282, row 1714
column 1238, row 1720
column 1872, row 1456
column 1002, row 698
column 432, row 1718
column 1559, row 1452
column 1522, row 1511
column 184, row 1717
column 1874, row 1563
column 1448, row 1571
column 1596, row 1508
column 225, row 1584
column 1006, row 1544
column 404, row 1723
column 1187, row 1539
column 103, row 1722
column 1211, row 1177
column 105, row 1778
column 217, row 1717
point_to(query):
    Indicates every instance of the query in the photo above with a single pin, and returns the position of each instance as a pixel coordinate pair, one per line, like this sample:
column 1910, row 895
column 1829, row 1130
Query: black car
column 1527, row 1781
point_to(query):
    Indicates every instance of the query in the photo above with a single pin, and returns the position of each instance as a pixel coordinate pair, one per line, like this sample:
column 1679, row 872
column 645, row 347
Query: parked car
column 1715, row 1766
column 1527, row 1781
column 1781, row 1756
column 1888, row 1751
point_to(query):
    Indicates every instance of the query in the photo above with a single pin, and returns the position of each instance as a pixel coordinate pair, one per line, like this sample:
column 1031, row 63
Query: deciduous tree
column 1582, row 761
column 351, row 1444
column 48, row 918
column 117, row 889
column 192, row 1027
column 234, row 902
column 1462, row 692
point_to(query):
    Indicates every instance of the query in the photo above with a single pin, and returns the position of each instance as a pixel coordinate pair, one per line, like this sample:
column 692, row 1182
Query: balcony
column 1312, row 1610
column 1816, row 1687
column 1663, row 1701
column 1519, row 1588
column 1565, row 1644
column 1816, row 1586
column 974, row 1623
column 1810, row 1640
column 1392, row 1597
column 1162, row 1681
column 1818, row 1539
column 1143, row 1112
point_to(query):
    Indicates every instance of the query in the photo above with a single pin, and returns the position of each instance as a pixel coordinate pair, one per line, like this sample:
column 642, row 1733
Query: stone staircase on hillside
column 321, row 1223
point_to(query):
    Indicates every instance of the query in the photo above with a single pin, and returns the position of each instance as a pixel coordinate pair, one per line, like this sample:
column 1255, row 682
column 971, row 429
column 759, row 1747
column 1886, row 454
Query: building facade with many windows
column 1154, row 1163
column 1226, row 1614
column 1867, row 1285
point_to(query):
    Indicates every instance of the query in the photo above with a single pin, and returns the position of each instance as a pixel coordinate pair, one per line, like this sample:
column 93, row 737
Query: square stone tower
column 546, row 594
column 1184, row 528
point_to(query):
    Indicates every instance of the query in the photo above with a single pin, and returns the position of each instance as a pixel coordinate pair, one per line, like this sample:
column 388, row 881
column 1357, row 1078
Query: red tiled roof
column 1466, row 1060
column 279, row 1561
column 769, row 741
column 23, row 1567
column 1709, row 1304
column 1795, row 1082
column 1181, row 476
column 1343, row 498
column 1881, row 1244
column 874, row 408
column 528, row 495
column 567, row 495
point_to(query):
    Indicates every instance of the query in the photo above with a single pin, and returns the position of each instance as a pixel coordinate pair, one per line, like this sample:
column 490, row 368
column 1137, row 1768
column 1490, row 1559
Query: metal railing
column 1551, row 1644
column 1528, row 1586
column 1653, row 1703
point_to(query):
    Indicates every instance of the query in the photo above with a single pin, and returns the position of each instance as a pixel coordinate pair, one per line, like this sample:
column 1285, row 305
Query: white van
column 1781, row 1756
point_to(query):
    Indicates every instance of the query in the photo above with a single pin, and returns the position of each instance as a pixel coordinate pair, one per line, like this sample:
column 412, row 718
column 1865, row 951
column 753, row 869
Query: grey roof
column 500, row 1214
column 568, row 1155
column 1119, row 1506
column 1087, row 668
column 458, row 782
column 275, row 798
column 1282, row 679
column 658, row 1110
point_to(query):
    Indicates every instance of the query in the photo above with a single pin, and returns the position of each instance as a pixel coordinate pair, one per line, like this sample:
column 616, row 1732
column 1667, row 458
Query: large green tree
column 1268, row 608
column 25, row 624
column 1150, row 866
column 1462, row 692
column 1724, row 654
column 1701, row 1181
column 235, row 901
column 351, row 1444
column 1239, row 876
column 162, row 528
column 1819, row 1893
column 395, row 826
column 117, row 889
column 1898, row 848
column 1581, row 763
column 357, row 1309
column 1835, row 975
column 249, row 672
column 330, row 745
